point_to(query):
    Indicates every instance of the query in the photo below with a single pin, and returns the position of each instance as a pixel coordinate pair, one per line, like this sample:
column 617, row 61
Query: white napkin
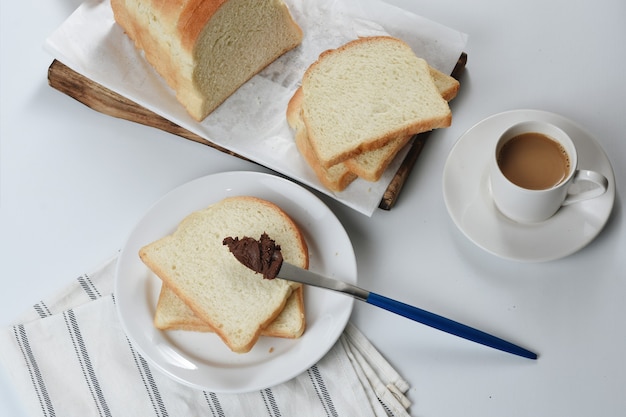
column 68, row 356
column 252, row 121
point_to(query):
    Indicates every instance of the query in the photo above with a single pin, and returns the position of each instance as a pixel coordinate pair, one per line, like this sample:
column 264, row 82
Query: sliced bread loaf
column 206, row 49
column 235, row 301
column 365, row 93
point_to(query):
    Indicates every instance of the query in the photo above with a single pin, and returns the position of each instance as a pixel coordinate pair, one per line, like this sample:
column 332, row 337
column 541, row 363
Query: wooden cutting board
column 105, row 101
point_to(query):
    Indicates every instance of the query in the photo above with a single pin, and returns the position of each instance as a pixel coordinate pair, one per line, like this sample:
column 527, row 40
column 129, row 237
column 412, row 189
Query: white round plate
column 202, row 360
column 468, row 198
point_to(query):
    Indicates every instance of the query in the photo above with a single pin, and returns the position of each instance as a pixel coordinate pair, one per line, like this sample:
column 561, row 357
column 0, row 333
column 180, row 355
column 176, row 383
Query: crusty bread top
column 235, row 301
column 186, row 18
column 193, row 17
column 364, row 94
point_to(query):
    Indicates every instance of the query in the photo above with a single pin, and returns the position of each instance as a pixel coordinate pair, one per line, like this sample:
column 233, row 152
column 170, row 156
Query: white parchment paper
column 252, row 121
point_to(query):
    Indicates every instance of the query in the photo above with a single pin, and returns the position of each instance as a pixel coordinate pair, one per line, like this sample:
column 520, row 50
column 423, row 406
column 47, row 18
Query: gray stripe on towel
column 214, row 404
column 33, row 370
column 87, row 285
column 322, row 392
column 148, row 382
column 85, row 363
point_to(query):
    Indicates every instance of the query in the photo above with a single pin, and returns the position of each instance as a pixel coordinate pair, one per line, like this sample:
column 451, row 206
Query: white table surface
column 73, row 183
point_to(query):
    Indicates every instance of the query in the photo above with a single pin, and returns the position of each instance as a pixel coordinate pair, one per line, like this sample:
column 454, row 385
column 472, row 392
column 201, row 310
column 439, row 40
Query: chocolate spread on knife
column 262, row 256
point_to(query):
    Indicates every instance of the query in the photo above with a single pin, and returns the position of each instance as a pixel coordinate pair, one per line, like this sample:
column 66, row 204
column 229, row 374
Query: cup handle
column 586, row 185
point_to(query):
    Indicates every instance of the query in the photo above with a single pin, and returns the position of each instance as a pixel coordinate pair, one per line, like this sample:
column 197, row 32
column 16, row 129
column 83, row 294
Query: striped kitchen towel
column 68, row 356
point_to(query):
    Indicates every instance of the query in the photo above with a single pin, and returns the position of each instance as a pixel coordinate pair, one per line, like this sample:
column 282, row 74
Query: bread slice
column 369, row 165
column 335, row 178
column 365, row 93
column 372, row 164
column 206, row 49
column 235, row 301
column 447, row 85
column 173, row 314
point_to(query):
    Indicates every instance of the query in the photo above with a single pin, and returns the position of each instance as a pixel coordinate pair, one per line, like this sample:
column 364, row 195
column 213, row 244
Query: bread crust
column 193, row 18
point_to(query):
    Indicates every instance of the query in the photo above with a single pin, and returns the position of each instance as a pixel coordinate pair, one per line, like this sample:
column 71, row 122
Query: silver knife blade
column 293, row 273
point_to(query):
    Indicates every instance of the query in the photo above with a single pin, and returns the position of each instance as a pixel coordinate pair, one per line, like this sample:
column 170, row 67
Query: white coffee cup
column 525, row 205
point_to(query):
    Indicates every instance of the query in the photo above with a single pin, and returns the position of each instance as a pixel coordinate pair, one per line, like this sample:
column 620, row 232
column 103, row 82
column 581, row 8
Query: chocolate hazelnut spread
column 262, row 256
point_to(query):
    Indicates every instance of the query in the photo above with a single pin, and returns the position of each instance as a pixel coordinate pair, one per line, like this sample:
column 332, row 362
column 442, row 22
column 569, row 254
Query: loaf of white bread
column 234, row 301
column 365, row 102
column 206, row 49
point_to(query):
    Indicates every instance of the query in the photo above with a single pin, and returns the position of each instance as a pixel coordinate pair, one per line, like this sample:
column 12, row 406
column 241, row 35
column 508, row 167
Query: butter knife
column 296, row 274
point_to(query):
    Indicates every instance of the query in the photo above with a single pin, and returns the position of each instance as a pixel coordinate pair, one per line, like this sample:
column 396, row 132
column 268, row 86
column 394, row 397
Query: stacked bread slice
column 173, row 314
column 204, row 287
column 360, row 104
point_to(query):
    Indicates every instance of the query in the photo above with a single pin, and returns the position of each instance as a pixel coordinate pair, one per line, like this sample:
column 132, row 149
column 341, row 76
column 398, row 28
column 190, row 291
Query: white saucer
column 201, row 360
column 468, row 198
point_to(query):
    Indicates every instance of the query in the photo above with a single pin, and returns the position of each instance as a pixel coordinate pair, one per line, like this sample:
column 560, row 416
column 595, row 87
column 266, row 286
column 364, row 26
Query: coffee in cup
column 533, row 168
column 534, row 161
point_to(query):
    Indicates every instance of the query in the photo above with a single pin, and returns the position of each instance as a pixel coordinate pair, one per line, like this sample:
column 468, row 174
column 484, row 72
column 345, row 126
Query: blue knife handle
column 447, row 325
